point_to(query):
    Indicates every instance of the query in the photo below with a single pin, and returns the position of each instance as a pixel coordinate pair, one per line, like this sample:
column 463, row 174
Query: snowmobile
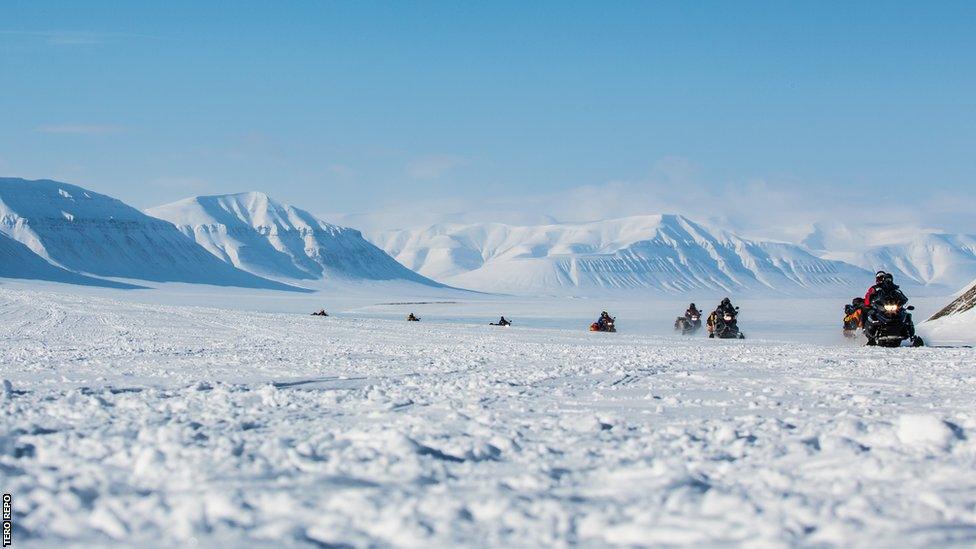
column 321, row 313
column 412, row 318
column 605, row 324
column 852, row 320
column 725, row 325
column 501, row 322
column 687, row 325
column 891, row 324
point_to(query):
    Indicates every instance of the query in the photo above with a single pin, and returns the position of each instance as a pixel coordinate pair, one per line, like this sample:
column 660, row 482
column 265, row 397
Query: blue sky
column 358, row 106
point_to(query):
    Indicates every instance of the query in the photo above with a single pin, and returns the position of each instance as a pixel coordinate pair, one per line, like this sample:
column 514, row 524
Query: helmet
column 858, row 302
column 692, row 306
column 879, row 276
column 888, row 278
column 726, row 301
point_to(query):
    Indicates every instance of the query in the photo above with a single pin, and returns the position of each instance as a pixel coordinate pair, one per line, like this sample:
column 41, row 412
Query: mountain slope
column 955, row 324
column 964, row 303
column 18, row 261
column 923, row 256
column 665, row 253
column 254, row 233
column 91, row 233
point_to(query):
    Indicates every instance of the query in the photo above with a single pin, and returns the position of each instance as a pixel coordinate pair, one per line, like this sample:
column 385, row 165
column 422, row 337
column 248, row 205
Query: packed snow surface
column 664, row 253
column 163, row 425
column 257, row 234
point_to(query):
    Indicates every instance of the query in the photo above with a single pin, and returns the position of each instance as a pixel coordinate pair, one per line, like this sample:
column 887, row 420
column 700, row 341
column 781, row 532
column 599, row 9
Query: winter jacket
column 854, row 319
column 885, row 293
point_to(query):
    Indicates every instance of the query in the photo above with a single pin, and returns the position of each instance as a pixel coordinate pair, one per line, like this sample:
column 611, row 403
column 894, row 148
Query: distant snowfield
column 145, row 422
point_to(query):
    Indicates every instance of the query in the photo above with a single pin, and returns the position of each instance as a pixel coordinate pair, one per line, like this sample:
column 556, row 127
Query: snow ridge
column 79, row 230
column 257, row 234
column 668, row 253
column 918, row 254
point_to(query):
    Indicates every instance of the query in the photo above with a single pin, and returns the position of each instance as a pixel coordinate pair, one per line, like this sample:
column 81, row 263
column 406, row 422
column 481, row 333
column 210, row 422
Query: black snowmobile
column 688, row 325
column 501, row 322
column 725, row 324
column 889, row 324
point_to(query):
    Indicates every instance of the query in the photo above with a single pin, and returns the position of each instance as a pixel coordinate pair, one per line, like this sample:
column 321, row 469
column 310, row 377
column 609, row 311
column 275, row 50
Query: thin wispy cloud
column 80, row 129
column 75, row 38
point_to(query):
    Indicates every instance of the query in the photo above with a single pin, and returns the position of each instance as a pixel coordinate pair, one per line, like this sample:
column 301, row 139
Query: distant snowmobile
column 853, row 317
column 606, row 323
column 724, row 324
column 321, row 313
column 501, row 322
column 413, row 318
column 687, row 325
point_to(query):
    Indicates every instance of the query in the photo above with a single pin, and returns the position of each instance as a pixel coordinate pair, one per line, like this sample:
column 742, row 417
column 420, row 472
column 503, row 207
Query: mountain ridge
column 268, row 238
column 665, row 252
column 85, row 232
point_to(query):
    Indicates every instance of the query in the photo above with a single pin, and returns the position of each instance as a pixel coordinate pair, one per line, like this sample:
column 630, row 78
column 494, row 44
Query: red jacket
column 867, row 297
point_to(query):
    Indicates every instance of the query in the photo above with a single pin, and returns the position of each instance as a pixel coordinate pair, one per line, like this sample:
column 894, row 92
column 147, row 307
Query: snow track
column 162, row 425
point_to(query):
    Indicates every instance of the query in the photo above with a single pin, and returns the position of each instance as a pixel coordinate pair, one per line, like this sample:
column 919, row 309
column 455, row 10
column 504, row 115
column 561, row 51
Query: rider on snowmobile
column 879, row 278
column 605, row 320
column 884, row 295
column 504, row 321
column 412, row 318
column 724, row 308
column 854, row 316
column 887, row 292
column 690, row 322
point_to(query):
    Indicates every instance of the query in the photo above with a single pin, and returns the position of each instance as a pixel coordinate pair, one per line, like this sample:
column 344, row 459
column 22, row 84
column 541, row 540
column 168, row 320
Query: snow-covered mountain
column 924, row 256
column 666, row 253
column 18, row 261
column 254, row 233
column 965, row 302
column 956, row 322
column 82, row 231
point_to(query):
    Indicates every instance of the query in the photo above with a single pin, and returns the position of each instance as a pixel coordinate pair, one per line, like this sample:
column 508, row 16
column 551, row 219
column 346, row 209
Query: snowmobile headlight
column 695, row 317
column 891, row 307
column 728, row 317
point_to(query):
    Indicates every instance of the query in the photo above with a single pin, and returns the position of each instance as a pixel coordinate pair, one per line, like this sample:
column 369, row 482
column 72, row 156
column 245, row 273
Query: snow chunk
column 925, row 431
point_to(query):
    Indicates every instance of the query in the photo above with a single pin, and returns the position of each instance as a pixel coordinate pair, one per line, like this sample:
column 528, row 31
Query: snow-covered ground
column 167, row 424
column 956, row 329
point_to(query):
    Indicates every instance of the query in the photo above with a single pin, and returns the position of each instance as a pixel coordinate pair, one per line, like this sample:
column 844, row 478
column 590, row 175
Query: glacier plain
column 133, row 417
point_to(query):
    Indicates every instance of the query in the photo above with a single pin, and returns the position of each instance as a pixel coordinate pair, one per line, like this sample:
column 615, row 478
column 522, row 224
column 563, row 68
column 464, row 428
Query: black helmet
column 889, row 278
column 726, row 301
column 879, row 276
column 692, row 306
